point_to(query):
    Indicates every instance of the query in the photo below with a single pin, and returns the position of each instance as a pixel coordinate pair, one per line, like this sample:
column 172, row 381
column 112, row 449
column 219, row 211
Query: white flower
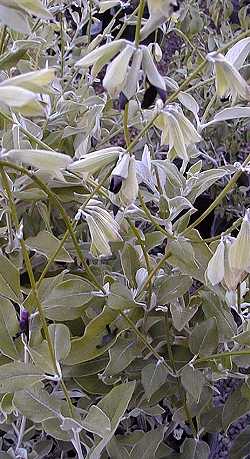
column 103, row 229
column 228, row 80
column 240, row 251
column 124, row 181
column 93, row 162
column 220, row 270
column 177, row 131
column 117, row 70
column 159, row 12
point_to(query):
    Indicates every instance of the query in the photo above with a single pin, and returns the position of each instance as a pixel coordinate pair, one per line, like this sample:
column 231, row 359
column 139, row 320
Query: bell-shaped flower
column 103, row 229
column 177, row 131
column 90, row 163
column 124, row 181
column 220, row 270
column 240, row 251
column 228, row 80
column 117, row 71
column 159, row 12
column 152, row 74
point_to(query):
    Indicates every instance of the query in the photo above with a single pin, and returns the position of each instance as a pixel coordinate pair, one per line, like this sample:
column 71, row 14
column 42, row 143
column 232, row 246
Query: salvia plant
column 121, row 304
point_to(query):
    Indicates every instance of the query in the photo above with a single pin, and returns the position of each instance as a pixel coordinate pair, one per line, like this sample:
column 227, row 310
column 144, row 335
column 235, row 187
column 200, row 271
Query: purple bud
column 24, row 321
column 115, row 184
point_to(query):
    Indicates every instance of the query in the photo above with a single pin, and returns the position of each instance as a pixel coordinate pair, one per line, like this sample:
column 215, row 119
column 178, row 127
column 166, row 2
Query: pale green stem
column 138, row 24
column 125, row 125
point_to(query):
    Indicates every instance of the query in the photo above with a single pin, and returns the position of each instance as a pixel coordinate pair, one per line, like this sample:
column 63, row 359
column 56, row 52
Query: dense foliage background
column 125, row 229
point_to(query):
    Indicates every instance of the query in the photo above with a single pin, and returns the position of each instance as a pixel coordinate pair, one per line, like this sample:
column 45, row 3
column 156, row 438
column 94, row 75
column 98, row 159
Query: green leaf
column 114, row 406
column 195, row 449
column 93, row 343
column 36, row 404
column 241, row 445
column 121, row 354
column 182, row 314
column 41, row 357
column 153, row 377
column 8, row 328
column 130, row 263
column 9, row 280
column 33, row 7
column 15, row 376
column 120, row 297
column 148, row 444
column 14, row 19
column 68, row 299
column 204, row 338
column 211, row 420
column 46, row 244
column 235, row 407
column 97, row 422
column 115, row 449
column 60, row 337
column 213, row 307
column 92, row 385
column 193, row 381
column 171, row 287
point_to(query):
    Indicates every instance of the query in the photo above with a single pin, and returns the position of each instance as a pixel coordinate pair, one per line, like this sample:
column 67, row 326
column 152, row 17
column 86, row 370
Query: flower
column 117, row 72
column 124, row 181
column 228, row 80
column 124, row 71
column 93, row 162
column 220, row 269
column 240, row 251
column 159, row 12
column 103, row 229
column 177, row 131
